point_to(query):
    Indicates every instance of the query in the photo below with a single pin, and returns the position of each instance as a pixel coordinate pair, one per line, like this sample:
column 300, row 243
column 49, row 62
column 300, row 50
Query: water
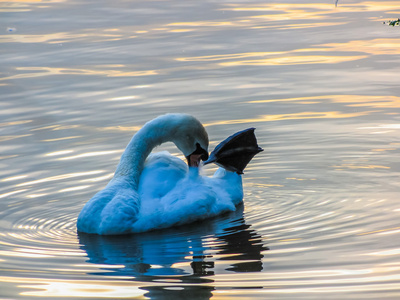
column 321, row 212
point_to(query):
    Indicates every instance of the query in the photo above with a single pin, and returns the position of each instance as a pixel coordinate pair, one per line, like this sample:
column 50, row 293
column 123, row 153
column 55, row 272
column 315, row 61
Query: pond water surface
column 321, row 213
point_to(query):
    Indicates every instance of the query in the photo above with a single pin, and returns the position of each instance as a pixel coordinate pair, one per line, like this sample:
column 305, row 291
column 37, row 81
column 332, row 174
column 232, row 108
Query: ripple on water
column 280, row 240
column 45, row 233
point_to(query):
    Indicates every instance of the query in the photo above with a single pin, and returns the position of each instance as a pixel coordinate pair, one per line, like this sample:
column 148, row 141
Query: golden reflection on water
column 12, row 123
column 294, row 60
column 62, row 139
column 11, row 193
column 60, row 177
column 18, row 253
column 379, row 46
column 24, row 5
column 55, row 38
column 352, row 166
column 8, row 156
column 75, row 188
column 324, row 281
column 200, row 24
column 47, row 71
column 294, row 116
column 387, row 46
column 350, row 100
column 101, row 178
column 386, row 230
column 14, row 178
column 56, row 127
column 37, row 252
column 386, row 252
column 90, row 154
column 294, row 11
column 278, row 12
column 276, row 58
column 120, row 128
column 229, row 56
column 302, row 25
column 75, row 288
column 30, row 1
column 57, row 153
column 12, row 137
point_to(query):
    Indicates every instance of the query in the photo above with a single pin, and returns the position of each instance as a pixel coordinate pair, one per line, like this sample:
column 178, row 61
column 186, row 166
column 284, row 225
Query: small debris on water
column 392, row 23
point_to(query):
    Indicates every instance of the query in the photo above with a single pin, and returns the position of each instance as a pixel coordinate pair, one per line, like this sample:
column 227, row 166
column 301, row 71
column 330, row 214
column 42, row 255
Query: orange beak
column 194, row 160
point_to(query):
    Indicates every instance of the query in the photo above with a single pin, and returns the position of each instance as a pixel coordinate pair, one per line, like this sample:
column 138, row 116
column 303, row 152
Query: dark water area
column 320, row 83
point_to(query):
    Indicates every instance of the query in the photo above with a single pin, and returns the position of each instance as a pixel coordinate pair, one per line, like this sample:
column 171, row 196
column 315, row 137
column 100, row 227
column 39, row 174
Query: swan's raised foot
column 235, row 152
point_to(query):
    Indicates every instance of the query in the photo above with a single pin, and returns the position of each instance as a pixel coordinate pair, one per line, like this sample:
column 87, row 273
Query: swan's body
column 159, row 191
column 172, row 194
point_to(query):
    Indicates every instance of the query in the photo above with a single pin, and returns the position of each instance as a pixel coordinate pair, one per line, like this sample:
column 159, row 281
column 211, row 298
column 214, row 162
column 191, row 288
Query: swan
column 157, row 190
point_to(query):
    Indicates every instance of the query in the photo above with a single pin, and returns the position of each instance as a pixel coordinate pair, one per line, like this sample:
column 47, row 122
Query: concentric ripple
column 48, row 233
column 285, row 242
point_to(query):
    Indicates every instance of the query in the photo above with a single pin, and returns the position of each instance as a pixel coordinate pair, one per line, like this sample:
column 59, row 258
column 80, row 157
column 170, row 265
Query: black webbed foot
column 235, row 152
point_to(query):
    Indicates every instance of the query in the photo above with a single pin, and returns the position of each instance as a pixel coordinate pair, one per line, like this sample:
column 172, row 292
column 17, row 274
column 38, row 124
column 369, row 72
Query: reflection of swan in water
column 183, row 253
column 160, row 192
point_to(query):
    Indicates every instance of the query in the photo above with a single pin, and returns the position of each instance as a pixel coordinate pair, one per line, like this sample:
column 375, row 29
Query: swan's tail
column 113, row 210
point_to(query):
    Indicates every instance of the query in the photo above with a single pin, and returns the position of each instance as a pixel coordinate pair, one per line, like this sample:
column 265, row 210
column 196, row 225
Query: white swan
column 159, row 191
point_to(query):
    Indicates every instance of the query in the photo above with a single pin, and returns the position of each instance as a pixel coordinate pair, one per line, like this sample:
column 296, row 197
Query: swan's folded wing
column 235, row 152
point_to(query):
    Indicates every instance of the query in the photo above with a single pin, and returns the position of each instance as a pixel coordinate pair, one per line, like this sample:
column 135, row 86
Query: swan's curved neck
column 143, row 142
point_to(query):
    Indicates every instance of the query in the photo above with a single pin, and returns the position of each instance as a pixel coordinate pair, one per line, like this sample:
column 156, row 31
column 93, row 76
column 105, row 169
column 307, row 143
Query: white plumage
column 160, row 190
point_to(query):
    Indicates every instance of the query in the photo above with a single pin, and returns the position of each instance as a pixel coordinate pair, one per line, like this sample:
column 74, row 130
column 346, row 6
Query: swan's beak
column 199, row 154
column 194, row 160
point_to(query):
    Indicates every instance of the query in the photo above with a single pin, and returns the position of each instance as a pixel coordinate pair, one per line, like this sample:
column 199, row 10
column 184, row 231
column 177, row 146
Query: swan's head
column 190, row 136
